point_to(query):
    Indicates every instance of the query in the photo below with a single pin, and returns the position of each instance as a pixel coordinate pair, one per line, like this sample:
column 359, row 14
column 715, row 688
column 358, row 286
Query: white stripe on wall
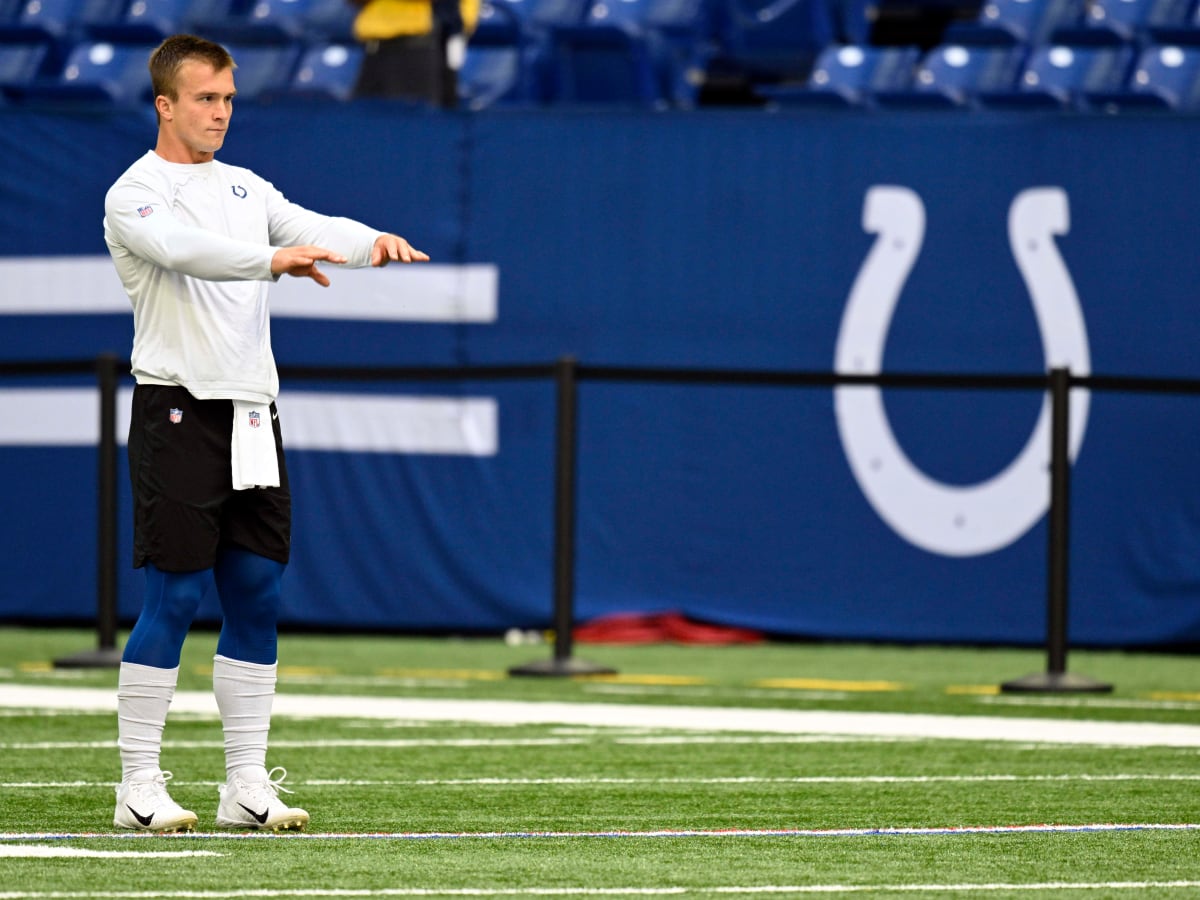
column 396, row 293
column 359, row 423
column 66, row 285
column 355, row 423
column 54, row 417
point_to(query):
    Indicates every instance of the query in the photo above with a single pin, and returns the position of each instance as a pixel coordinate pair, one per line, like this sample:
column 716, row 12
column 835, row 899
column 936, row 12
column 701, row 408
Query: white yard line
column 765, row 721
column 735, row 780
column 43, row 851
column 564, row 891
column 484, row 743
column 670, row 833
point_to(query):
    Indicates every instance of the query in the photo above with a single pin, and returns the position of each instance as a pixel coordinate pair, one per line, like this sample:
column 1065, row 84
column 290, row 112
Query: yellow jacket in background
column 380, row 20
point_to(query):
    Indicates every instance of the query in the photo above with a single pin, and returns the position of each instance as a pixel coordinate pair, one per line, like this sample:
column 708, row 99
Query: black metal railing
column 567, row 373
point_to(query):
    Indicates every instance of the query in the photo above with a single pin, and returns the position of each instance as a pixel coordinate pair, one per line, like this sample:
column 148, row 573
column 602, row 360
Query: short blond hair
column 172, row 53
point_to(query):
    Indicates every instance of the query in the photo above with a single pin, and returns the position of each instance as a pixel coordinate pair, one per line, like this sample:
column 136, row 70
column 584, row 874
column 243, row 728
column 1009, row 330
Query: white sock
column 143, row 697
column 244, row 693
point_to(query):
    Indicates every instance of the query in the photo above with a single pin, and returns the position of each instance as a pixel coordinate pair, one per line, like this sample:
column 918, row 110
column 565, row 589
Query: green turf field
column 450, row 805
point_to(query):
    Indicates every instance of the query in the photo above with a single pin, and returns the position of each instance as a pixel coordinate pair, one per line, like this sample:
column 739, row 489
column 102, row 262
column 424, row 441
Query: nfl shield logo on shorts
column 176, row 415
column 254, row 419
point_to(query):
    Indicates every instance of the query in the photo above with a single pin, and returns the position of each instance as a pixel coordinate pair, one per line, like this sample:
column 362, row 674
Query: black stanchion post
column 1056, row 678
column 563, row 663
column 106, row 654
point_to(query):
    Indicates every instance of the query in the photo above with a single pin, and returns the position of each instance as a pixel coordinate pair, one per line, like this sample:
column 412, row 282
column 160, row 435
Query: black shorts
column 184, row 505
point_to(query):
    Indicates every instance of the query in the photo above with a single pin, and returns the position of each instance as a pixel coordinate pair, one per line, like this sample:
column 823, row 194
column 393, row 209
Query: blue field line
column 1099, row 827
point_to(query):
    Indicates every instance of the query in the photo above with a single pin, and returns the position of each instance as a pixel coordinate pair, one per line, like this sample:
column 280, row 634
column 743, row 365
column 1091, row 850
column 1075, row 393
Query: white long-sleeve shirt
column 193, row 247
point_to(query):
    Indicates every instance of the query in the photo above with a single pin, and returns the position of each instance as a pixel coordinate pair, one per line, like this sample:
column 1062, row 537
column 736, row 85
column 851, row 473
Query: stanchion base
column 1055, row 683
column 100, row 658
column 561, row 668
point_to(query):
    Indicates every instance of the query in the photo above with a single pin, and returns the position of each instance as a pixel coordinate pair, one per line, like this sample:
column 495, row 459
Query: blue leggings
column 248, row 586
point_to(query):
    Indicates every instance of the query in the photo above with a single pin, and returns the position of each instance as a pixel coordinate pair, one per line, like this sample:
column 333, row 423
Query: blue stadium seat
column 328, row 70
column 543, row 14
column 776, row 40
column 233, row 22
column 504, row 62
column 95, row 72
column 330, row 21
column 652, row 50
column 954, row 75
column 854, row 20
column 608, row 58
column 58, row 19
column 1170, row 74
column 45, row 18
column 1027, row 22
column 1062, row 76
column 279, row 19
column 263, row 69
column 492, row 75
column 1164, row 77
column 526, row 29
column 684, row 18
column 1122, row 21
column 616, row 15
column 21, row 64
column 1184, row 32
column 850, row 76
column 682, row 43
column 602, row 67
column 261, row 21
column 499, row 23
column 153, row 20
column 144, row 20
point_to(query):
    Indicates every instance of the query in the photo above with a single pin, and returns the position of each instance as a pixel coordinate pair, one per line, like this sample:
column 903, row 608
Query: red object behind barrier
column 661, row 628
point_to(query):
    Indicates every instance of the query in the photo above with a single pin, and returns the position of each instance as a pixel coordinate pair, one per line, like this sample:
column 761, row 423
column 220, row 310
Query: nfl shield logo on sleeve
column 254, row 419
column 176, row 415
column 144, row 211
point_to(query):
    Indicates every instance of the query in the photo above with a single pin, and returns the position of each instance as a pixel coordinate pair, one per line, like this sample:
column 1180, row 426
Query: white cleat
column 143, row 804
column 250, row 799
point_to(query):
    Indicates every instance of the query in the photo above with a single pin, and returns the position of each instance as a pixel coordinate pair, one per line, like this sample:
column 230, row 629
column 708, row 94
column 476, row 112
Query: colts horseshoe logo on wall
column 955, row 520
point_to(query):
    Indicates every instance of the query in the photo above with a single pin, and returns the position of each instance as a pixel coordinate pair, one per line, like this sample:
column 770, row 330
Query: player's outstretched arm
column 393, row 248
column 301, row 262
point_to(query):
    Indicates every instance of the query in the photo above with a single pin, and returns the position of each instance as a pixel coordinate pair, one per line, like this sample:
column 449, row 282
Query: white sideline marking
column 944, row 831
column 41, row 851
column 688, row 690
column 607, row 892
column 692, row 691
column 1087, row 703
column 765, row 721
column 592, row 782
column 737, row 780
column 484, row 743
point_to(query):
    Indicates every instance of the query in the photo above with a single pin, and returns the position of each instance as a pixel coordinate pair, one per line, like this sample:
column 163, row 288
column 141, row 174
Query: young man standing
column 196, row 244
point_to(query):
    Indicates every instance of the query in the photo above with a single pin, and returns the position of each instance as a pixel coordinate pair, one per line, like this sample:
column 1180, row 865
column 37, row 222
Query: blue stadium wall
column 712, row 239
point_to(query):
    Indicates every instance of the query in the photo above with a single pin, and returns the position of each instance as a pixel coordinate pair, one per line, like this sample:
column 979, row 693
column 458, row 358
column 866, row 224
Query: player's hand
column 393, row 248
column 301, row 262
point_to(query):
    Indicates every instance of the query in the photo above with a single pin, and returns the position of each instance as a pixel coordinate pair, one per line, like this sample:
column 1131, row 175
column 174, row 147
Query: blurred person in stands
column 196, row 244
column 413, row 48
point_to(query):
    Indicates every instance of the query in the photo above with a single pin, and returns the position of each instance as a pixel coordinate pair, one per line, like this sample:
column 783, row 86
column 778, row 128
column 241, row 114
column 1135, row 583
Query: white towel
column 253, row 447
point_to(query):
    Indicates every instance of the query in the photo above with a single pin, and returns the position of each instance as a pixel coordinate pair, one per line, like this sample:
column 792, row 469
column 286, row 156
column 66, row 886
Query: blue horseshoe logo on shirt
column 238, row 191
column 955, row 520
